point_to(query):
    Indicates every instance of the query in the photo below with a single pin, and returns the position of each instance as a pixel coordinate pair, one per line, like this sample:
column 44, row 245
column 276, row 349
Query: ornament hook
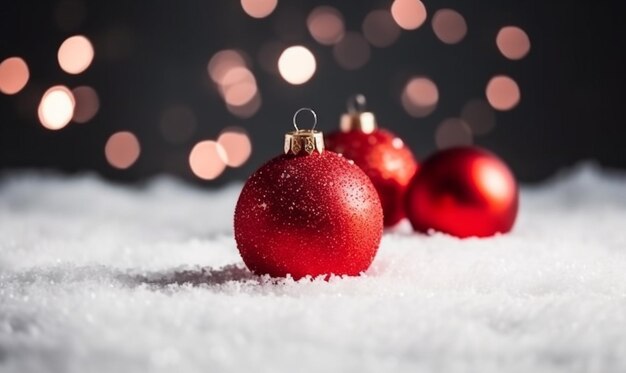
column 295, row 117
column 356, row 104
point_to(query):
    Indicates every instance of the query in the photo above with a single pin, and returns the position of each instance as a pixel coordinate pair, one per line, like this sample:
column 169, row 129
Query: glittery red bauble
column 464, row 192
column 385, row 159
column 308, row 215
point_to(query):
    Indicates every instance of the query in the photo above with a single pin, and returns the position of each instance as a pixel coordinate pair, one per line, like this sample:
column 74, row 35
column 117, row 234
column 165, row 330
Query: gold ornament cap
column 304, row 141
column 357, row 119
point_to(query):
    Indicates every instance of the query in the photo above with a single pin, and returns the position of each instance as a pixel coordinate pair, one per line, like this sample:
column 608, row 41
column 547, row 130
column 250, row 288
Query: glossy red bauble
column 464, row 192
column 387, row 161
column 302, row 215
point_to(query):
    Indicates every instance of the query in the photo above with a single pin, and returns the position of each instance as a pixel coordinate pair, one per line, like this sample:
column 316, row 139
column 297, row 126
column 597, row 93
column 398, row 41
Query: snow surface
column 96, row 277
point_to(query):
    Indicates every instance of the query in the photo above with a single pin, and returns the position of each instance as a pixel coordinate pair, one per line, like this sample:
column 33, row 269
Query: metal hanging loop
column 295, row 117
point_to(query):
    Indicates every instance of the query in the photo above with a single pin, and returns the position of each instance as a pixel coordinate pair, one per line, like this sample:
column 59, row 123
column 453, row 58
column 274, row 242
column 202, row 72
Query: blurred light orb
column 207, row 160
column 122, row 149
column 326, row 25
column 513, row 42
column 449, row 26
column 453, row 132
column 420, row 97
column 408, row 14
column 296, row 64
column 56, row 108
column 14, row 75
column 479, row 116
column 503, row 93
column 248, row 109
column 236, row 144
column 380, row 29
column 258, row 8
column 352, row 52
column 87, row 104
column 177, row 123
column 222, row 62
column 75, row 54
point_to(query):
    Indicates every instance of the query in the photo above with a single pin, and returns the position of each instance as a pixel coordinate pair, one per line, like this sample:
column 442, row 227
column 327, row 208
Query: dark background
column 152, row 54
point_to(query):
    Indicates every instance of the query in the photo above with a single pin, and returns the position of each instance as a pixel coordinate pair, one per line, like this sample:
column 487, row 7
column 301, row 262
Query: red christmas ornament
column 308, row 212
column 383, row 157
column 465, row 191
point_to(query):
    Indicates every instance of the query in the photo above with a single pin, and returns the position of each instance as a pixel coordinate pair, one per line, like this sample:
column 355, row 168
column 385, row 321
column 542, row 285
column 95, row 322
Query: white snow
column 97, row 277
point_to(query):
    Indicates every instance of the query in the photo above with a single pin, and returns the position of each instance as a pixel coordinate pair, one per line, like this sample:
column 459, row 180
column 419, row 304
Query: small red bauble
column 308, row 212
column 383, row 157
column 465, row 192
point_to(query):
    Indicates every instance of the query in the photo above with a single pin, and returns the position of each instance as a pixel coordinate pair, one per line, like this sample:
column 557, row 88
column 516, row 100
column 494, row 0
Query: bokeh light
column 420, row 97
column 258, row 8
column 380, row 29
column 14, row 75
column 326, row 25
column 247, row 110
column 479, row 116
column 449, row 26
column 453, row 132
column 238, row 86
column 236, row 144
column 297, row 65
column 502, row 93
column 122, row 149
column 352, row 52
column 56, row 108
column 177, row 123
column 222, row 62
column 75, row 54
column 513, row 42
column 87, row 104
column 408, row 14
column 207, row 160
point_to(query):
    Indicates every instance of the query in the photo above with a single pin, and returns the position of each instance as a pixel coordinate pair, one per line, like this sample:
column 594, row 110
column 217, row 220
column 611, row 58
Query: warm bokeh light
column 326, row 25
column 248, row 109
column 258, row 8
column 453, row 132
column 408, row 14
column 238, row 86
column 297, row 65
column 87, row 104
column 14, row 75
column 222, row 62
column 207, row 160
column 420, row 97
column 380, row 29
column 236, row 144
column 502, row 93
column 240, row 93
column 479, row 116
column 352, row 52
column 513, row 42
column 122, row 149
column 75, row 54
column 56, row 107
column 177, row 123
column 449, row 26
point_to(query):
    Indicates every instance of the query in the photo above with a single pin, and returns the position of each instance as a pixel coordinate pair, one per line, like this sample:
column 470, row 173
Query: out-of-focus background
column 206, row 89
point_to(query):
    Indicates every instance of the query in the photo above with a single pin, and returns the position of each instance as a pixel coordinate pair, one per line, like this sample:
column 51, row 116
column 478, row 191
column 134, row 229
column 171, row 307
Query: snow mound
column 96, row 277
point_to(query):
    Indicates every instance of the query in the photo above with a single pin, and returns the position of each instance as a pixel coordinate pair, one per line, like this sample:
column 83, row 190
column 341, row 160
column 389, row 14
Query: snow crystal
column 99, row 277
